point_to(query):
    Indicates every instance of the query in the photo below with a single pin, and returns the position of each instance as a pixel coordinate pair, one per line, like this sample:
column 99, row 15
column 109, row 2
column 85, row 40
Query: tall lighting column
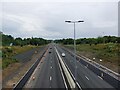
column 74, row 22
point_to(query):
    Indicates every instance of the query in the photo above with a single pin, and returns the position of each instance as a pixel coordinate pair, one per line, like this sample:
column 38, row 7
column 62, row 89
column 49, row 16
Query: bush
column 9, row 50
column 6, row 62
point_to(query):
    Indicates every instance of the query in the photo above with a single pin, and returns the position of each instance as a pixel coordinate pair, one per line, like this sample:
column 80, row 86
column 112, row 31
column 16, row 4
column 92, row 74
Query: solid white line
column 70, row 71
column 78, row 85
column 33, row 74
column 100, row 77
column 87, row 77
column 62, row 75
column 70, row 80
column 50, row 78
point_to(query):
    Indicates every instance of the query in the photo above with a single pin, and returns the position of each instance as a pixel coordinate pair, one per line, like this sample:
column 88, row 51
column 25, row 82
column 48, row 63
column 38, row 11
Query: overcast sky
column 47, row 19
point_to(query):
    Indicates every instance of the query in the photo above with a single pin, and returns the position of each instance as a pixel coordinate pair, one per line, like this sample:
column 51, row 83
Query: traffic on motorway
column 56, row 69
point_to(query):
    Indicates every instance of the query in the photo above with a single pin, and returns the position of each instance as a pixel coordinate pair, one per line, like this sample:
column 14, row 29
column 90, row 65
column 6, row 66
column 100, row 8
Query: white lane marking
column 81, row 65
column 85, row 66
column 33, row 74
column 51, row 67
column 62, row 74
column 87, row 77
column 100, row 77
column 69, row 71
column 78, row 85
column 50, row 78
column 65, row 66
column 101, row 74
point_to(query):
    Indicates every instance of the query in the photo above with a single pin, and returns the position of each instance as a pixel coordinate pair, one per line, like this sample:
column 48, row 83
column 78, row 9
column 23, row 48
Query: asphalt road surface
column 48, row 73
column 85, row 77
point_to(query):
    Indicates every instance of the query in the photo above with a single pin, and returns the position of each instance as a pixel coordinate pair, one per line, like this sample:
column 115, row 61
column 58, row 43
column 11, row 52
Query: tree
column 7, row 39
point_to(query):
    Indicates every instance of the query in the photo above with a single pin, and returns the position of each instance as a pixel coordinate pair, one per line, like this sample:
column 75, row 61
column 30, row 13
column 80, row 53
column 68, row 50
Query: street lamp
column 74, row 46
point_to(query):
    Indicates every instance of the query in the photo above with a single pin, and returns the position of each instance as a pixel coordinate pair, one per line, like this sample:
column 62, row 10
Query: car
column 63, row 54
column 49, row 51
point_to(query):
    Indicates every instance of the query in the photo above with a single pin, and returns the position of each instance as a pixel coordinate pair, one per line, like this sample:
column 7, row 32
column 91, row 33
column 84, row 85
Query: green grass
column 0, row 63
column 100, row 50
column 108, row 52
column 7, row 62
column 0, row 54
column 9, row 52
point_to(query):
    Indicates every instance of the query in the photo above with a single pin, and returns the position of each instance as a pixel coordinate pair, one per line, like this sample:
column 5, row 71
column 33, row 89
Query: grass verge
column 109, row 54
column 9, row 52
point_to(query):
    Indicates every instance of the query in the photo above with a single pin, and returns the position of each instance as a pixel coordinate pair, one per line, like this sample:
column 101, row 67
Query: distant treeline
column 9, row 40
column 99, row 40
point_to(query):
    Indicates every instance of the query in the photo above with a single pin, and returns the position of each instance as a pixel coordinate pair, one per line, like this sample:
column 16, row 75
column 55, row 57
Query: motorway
column 49, row 74
column 85, row 77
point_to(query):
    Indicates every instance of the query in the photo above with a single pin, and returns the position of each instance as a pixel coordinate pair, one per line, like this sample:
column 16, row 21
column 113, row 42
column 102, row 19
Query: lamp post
column 74, row 22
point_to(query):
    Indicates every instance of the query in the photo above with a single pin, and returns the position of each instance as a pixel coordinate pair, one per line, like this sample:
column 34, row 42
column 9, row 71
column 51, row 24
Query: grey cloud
column 49, row 19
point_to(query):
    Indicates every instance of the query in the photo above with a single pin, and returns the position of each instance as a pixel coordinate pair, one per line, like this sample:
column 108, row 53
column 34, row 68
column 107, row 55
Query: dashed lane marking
column 87, row 77
column 50, row 78
column 51, row 67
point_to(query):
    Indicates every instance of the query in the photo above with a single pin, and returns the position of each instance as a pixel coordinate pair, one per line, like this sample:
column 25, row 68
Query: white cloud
column 105, row 24
column 47, row 19
column 30, row 26
column 59, row 0
column 28, row 23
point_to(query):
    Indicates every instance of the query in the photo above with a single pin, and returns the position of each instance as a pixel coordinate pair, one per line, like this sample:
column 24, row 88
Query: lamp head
column 68, row 21
column 80, row 21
